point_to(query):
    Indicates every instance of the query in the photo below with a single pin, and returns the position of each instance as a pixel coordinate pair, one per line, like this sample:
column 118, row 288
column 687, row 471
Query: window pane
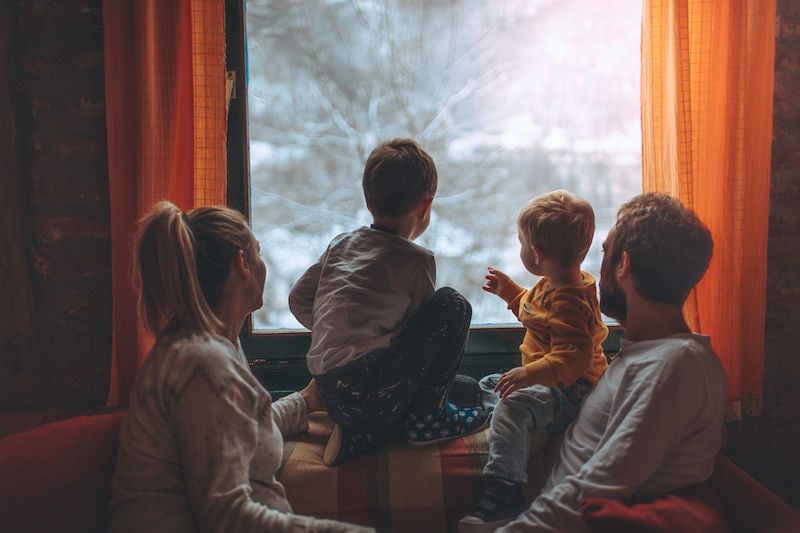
column 511, row 98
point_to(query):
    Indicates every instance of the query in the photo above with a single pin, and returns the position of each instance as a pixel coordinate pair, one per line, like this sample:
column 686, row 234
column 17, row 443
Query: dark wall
column 768, row 446
column 55, row 281
column 55, row 263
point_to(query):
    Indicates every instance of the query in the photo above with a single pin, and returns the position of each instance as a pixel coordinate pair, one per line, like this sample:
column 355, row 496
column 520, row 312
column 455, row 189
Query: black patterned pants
column 413, row 375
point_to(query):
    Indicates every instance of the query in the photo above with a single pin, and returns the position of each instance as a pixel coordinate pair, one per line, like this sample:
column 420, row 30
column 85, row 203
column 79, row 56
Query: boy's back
column 356, row 297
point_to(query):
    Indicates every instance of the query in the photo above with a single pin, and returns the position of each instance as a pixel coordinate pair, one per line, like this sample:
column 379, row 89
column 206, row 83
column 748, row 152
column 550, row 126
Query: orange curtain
column 166, row 127
column 707, row 89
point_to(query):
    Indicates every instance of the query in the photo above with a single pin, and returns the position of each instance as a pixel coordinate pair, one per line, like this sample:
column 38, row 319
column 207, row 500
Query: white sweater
column 200, row 445
column 653, row 423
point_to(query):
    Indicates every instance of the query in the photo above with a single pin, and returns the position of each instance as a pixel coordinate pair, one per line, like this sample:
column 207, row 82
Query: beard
column 613, row 303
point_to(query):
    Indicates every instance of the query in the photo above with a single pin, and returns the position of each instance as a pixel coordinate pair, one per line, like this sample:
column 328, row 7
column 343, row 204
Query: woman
column 202, row 439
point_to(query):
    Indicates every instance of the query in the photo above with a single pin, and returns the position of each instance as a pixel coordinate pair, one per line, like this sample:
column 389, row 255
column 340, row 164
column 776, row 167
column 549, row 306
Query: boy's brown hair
column 398, row 175
column 560, row 223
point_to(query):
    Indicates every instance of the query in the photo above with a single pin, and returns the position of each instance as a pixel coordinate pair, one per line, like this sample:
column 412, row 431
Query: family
column 202, row 440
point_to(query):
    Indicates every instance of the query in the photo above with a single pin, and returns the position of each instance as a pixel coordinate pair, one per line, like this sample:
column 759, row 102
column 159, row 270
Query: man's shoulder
column 689, row 345
column 684, row 342
column 679, row 353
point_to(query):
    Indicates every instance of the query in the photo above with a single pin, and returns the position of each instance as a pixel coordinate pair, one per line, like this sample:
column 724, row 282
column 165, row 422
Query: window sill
column 278, row 359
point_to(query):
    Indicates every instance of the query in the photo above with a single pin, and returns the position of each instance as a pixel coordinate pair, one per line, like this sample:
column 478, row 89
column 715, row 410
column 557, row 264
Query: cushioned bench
column 402, row 489
column 56, row 478
column 397, row 488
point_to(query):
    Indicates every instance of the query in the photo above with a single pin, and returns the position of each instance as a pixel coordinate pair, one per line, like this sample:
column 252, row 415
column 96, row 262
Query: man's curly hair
column 668, row 246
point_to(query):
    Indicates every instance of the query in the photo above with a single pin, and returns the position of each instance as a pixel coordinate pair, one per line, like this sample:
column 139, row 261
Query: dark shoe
column 466, row 391
column 501, row 502
column 344, row 444
column 451, row 423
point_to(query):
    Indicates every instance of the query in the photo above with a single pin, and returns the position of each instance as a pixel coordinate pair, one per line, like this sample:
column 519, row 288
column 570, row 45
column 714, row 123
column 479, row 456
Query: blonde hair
column 560, row 223
column 181, row 262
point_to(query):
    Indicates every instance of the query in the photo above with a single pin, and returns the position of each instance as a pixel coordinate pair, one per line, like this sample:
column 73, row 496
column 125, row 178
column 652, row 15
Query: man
column 654, row 421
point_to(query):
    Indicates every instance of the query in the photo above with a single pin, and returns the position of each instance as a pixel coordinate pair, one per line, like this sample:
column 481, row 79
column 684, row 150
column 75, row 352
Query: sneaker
column 501, row 502
column 344, row 444
column 453, row 422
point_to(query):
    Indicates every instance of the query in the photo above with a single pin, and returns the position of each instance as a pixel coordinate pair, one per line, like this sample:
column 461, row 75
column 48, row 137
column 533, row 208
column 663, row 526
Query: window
column 511, row 98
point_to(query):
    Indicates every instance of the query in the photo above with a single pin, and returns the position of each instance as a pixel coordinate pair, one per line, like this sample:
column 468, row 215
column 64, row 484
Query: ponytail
column 165, row 273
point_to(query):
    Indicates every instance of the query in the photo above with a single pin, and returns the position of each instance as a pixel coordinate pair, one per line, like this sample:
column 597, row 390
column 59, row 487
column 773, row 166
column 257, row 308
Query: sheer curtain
column 707, row 89
column 166, row 127
column 707, row 79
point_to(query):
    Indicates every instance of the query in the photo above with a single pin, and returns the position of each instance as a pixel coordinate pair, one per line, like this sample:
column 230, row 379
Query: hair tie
column 185, row 218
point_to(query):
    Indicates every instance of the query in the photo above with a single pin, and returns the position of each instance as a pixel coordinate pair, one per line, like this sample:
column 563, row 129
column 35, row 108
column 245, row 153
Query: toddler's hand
column 495, row 281
column 516, row 378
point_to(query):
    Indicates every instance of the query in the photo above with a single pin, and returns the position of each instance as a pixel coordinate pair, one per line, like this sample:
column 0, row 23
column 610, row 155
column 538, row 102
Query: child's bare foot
column 312, row 397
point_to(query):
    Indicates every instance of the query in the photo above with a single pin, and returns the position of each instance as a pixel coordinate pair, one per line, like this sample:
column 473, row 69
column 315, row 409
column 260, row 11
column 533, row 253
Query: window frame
column 277, row 359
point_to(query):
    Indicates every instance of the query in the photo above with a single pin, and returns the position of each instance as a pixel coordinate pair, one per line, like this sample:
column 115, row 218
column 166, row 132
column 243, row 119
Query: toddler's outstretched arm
column 496, row 280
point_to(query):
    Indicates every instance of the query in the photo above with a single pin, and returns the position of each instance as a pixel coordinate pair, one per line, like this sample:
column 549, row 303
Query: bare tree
column 329, row 79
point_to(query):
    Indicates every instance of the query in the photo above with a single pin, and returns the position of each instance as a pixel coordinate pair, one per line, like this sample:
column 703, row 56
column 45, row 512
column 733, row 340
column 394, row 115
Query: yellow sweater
column 563, row 331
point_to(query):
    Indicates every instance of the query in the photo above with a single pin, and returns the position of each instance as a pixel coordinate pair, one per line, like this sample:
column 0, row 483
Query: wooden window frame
column 278, row 358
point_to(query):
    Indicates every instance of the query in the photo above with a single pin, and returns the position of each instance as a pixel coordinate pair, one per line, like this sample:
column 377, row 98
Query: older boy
column 562, row 353
column 655, row 420
column 385, row 346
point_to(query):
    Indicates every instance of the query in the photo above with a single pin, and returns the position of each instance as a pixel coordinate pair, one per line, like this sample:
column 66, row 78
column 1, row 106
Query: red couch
column 56, row 478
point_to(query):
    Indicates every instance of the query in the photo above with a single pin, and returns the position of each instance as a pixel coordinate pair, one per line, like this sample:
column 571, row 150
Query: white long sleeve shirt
column 200, row 445
column 653, row 423
column 359, row 294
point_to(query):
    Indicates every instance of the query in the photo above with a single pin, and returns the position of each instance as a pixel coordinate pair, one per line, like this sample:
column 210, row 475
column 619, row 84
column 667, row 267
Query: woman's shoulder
column 195, row 347
column 180, row 357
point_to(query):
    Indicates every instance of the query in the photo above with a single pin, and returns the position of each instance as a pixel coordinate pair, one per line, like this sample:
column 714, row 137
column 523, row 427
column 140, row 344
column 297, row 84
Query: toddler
column 562, row 355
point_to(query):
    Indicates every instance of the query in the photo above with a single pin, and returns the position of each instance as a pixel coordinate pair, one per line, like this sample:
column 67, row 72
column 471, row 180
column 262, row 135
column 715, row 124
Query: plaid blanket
column 398, row 488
